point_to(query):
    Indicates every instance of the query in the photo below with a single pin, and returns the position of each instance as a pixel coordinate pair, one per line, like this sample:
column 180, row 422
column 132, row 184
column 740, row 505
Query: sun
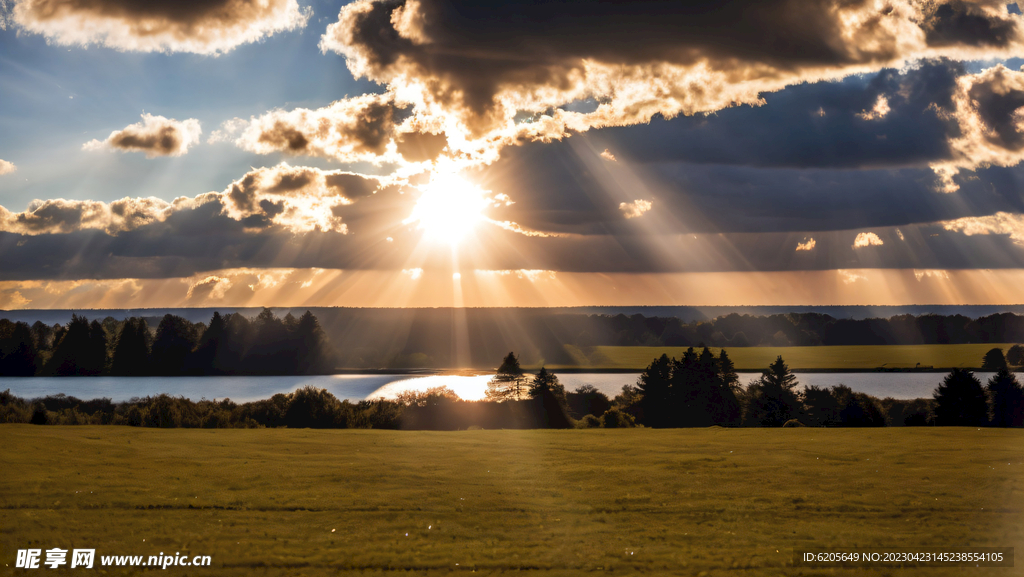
column 448, row 209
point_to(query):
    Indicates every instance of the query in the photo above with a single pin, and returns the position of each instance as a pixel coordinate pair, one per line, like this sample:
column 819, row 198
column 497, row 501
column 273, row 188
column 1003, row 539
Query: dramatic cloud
column 636, row 208
column 208, row 27
column 363, row 128
column 607, row 155
column 155, row 136
column 505, row 72
column 867, row 239
column 296, row 199
column 999, row 223
column 988, row 108
column 6, row 167
column 60, row 216
column 806, row 245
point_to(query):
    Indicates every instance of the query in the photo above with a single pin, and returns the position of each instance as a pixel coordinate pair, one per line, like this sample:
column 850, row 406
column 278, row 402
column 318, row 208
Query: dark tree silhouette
column 821, row 409
column 18, row 352
column 270, row 352
column 508, row 383
column 310, row 407
column 960, row 400
column 587, row 400
column 654, row 385
column 131, row 350
column 726, row 406
column 548, row 398
column 857, row 409
column 74, row 353
column 1015, row 356
column 993, row 360
column 207, row 359
column 313, row 350
column 772, row 400
column 1007, row 399
column 240, row 336
column 174, row 342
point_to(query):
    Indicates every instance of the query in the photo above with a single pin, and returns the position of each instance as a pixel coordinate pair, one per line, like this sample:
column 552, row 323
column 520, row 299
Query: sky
column 160, row 153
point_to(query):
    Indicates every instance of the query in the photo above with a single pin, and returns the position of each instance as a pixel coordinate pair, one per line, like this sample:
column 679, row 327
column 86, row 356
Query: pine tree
column 131, row 350
column 1007, row 399
column 654, row 385
column 773, row 399
column 172, row 346
column 508, row 383
column 960, row 400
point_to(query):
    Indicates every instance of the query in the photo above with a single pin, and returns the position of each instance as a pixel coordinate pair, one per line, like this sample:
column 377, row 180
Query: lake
column 359, row 387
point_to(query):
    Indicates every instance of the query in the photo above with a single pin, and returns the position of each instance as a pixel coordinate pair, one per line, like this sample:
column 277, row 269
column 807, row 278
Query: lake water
column 359, row 387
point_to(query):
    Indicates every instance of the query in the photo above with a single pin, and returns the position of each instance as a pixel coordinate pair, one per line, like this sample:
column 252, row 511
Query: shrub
column 616, row 419
column 588, row 422
column 793, row 423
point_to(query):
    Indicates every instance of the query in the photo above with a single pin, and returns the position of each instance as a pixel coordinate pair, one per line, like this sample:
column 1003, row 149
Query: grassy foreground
column 800, row 358
column 312, row 502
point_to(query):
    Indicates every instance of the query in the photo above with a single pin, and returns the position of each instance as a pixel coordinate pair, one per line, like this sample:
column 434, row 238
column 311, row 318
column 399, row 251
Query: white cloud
column 867, row 239
column 607, row 155
column 1006, row 223
column 6, row 167
column 636, row 208
column 807, row 245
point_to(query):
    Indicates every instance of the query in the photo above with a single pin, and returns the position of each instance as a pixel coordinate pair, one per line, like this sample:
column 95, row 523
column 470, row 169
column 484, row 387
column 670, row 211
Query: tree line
column 794, row 329
column 227, row 345
column 696, row 390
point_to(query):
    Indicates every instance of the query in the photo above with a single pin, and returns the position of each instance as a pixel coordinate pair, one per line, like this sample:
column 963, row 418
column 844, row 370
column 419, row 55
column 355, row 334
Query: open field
column 311, row 502
column 800, row 358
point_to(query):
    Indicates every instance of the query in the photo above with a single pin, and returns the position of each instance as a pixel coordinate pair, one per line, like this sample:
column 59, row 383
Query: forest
column 423, row 338
column 228, row 345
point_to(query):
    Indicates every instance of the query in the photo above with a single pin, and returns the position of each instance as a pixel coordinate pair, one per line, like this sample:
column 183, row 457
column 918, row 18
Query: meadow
column 686, row 501
column 862, row 357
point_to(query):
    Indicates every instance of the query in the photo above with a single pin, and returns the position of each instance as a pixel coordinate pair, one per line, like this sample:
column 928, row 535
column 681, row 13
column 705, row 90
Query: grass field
column 800, row 358
column 690, row 502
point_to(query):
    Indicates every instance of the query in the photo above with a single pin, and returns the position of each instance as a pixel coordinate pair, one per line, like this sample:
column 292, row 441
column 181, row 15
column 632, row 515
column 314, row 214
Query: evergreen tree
column 960, row 400
column 546, row 381
column 95, row 361
column 654, row 385
column 270, row 352
column 207, row 358
column 773, row 399
column 993, row 360
column 508, row 383
column 239, row 337
column 548, row 395
column 71, row 353
column 727, row 405
column 131, row 349
column 313, row 349
column 172, row 346
column 1007, row 399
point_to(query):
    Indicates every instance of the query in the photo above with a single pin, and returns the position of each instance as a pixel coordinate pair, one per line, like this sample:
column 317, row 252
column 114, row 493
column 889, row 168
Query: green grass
column 800, row 358
column 305, row 502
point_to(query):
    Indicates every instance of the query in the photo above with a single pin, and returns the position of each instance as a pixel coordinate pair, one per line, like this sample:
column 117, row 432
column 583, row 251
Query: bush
column 588, row 422
column 616, row 419
column 793, row 423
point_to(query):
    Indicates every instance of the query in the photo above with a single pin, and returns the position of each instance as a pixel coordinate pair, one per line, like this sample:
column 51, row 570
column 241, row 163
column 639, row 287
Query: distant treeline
column 426, row 337
column 229, row 345
column 697, row 390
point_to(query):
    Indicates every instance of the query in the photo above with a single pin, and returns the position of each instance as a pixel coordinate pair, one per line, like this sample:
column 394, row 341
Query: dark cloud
column 205, row 27
column 476, row 60
column 155, row 136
